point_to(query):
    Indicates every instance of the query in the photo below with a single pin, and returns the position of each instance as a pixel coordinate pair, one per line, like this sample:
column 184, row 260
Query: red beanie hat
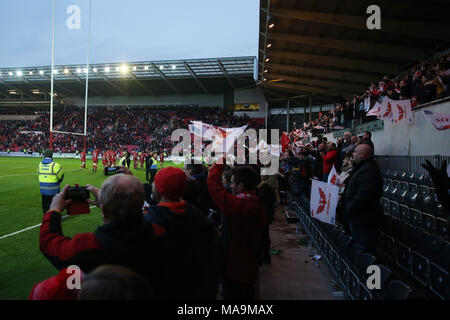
column 170, row 182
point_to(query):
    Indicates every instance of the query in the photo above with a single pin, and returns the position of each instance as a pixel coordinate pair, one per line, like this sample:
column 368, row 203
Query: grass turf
column 21, row 263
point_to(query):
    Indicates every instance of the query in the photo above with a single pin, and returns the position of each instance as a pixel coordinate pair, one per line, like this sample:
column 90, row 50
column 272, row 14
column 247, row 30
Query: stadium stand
column 146, row 127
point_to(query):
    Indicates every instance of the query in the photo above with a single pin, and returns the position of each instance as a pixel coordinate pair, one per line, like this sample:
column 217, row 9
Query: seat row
column 432, row 223
column 413, row 195
column 419, row 255
column 410, row 177
column 346, row 260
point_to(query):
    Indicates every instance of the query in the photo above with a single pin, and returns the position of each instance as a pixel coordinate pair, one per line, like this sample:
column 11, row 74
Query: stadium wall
column 419, row 139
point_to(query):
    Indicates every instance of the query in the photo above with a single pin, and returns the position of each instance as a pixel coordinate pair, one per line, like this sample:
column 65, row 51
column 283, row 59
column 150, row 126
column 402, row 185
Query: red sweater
column 330, row 159
column 247, row 221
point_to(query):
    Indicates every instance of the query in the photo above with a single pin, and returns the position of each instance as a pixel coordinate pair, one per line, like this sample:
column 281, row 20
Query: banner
column 324, row 200
column 395, row 111
column 439, row 120
column 223, row 139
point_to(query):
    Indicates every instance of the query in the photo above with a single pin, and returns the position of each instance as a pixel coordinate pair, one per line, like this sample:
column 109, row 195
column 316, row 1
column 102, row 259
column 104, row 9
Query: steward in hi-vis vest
column 50, row 176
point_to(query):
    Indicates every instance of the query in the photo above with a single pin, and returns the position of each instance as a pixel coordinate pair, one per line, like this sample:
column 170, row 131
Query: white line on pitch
column 32, row 227
column 25, row 174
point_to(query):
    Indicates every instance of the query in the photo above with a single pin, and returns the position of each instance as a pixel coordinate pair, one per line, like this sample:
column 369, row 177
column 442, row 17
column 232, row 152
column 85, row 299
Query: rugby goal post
column 52, row 79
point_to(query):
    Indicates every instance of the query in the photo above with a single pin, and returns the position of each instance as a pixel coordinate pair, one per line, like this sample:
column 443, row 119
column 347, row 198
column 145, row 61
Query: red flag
column 284, row 141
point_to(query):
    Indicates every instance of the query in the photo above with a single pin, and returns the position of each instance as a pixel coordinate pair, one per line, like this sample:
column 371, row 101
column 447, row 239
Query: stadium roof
column 195, row 76
column 324, row 48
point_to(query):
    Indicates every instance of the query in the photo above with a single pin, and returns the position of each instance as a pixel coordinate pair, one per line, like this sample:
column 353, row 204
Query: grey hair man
column 124, row 239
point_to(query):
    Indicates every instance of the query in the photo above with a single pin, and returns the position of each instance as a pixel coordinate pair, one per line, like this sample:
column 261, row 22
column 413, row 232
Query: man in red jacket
column 330, row 159
column 124, row 238
column 246, row 220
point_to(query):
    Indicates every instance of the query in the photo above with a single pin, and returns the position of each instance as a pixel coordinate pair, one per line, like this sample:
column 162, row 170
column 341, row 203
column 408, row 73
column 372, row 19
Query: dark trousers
column 238, row 291
column 46, row 202
column 364, row 235
column 152, row 174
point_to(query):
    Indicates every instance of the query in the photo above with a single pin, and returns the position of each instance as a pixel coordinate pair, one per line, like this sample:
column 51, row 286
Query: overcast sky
column 127, row 30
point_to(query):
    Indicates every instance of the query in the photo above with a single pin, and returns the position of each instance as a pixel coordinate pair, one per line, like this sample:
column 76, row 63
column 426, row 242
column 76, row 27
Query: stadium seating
column 413, row 251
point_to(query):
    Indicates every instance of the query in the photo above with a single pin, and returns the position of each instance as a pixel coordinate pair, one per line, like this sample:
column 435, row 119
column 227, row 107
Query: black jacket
column 193, row 262
column 140, row 246
column 361, row 198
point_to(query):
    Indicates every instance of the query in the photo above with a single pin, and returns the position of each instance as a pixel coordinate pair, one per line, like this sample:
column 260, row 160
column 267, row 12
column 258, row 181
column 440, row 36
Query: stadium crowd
column 424, row 82
column 109, row 128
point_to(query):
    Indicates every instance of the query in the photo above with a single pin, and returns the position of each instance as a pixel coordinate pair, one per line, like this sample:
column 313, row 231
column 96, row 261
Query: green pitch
column 21, row 263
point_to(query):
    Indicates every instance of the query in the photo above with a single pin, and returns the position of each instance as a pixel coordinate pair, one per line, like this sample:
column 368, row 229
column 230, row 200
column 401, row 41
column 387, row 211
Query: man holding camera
column 50, row 176
column 124, row 238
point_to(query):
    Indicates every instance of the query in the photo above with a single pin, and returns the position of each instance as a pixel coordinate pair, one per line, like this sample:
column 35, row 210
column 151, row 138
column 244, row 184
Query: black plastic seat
column 415, row 218
column 428, row 222
column 403, row 176
column 394, row 189
column 394, row 209
column 403, row 257
column 442, row 227
column 387, row 187
column 402, row 194
column 366, row 259
column 412, row 177
column 343, row 243
column 397, row 290
column 354, row 252
column 413, row 193
column 394, row 174
column 424, row 198
column 439, row 273
column 414, row 237
column 389, row 247
column 428, row 250
column 385, row 205
column 404, row 213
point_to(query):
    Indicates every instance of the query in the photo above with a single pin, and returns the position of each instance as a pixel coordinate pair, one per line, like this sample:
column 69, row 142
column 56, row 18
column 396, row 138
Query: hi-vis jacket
column 50, row 176
column 154, row 164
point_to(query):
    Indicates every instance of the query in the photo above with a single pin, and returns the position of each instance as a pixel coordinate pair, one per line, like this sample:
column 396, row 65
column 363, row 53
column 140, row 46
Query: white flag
column 333, row 177
column 439, row 120
column 324, row 200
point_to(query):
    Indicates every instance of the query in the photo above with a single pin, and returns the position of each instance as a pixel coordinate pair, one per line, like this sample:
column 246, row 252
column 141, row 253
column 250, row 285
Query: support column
column 287, row 116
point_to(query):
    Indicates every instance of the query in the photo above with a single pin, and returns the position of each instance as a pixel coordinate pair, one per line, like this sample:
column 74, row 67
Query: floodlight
column 106, row 69
column 19, row 73
column 41, row 72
